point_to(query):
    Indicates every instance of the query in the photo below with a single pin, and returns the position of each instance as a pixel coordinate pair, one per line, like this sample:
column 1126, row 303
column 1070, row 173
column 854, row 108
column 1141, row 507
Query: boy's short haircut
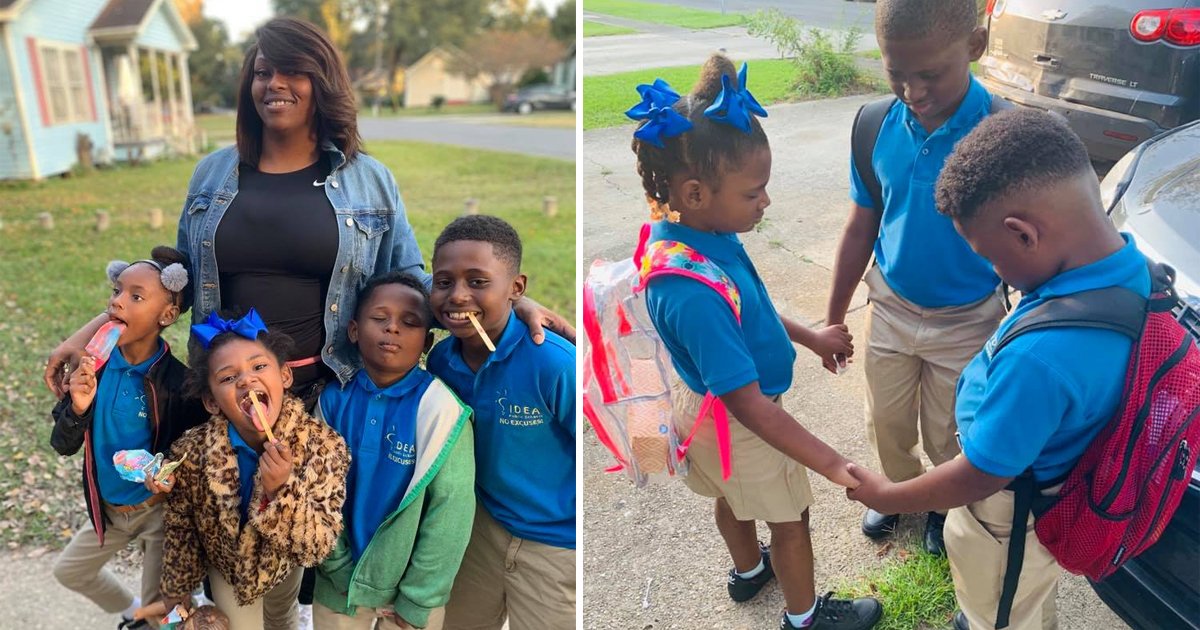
column 915, row 19
column 394, row 277
column 506, row 243
column 1019, row 149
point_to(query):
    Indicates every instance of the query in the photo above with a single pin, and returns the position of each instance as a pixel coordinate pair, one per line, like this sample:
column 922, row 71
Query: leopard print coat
column 299, row 527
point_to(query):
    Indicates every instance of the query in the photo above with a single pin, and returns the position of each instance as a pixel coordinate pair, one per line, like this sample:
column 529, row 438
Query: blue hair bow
column 734, row 105
column 248, row 326
column 662, row 120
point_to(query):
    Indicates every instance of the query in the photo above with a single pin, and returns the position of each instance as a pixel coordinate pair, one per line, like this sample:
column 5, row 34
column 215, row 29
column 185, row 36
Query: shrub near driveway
column 53, row 281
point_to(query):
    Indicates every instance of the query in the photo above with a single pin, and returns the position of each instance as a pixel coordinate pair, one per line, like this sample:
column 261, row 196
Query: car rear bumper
column 1139, row 600
column 1090, row 123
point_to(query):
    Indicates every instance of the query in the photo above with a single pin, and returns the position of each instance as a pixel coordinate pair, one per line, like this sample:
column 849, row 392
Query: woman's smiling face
column 283, row 101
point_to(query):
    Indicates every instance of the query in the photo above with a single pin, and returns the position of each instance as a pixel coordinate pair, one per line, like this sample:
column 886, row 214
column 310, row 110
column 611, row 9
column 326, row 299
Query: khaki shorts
column 764, row 484
column 977, row 539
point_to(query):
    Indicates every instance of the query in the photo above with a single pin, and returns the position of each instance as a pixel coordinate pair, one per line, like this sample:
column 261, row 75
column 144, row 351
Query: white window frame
column 74, row 89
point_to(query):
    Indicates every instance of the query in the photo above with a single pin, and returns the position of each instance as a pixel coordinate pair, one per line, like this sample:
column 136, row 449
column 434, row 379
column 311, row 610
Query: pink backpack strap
column 660, row 258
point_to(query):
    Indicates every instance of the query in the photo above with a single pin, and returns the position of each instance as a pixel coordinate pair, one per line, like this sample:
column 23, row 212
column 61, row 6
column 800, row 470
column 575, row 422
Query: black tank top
column 276, row 247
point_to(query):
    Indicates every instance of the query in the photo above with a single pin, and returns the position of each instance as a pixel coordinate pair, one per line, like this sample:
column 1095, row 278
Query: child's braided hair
column 704, row 151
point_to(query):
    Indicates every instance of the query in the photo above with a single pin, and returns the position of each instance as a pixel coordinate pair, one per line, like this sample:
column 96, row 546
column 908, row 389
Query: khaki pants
column 80, row 567
column 365, row 619
column 277, row 610
column 977, row 537
column 764, row 484
column 912, row 362
column 531, row 584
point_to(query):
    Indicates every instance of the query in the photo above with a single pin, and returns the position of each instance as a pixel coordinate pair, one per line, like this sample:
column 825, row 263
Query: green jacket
column 413, row 557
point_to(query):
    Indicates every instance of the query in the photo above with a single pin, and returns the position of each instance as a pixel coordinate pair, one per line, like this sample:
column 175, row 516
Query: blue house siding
column 14, row 151
column 65, row 23
column 160, row 34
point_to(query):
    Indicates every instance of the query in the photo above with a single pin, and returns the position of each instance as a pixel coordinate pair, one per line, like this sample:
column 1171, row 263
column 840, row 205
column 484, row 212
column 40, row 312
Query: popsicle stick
column 487, row 341
column 262, row 416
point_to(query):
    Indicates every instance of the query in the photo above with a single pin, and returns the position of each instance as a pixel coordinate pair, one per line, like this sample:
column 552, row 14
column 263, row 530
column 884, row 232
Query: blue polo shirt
column 524, row 402
column 920, row 254
column 247, row 460
column 380, row 429
column 1042, row 399
column 710, row 350
column 121, row 421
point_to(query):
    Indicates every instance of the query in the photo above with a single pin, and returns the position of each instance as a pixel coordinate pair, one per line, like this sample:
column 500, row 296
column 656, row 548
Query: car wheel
column 573, row 104
column 525, row 109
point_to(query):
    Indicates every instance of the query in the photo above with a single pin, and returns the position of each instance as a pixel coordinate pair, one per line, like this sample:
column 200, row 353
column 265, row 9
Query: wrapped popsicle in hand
column 104, row 341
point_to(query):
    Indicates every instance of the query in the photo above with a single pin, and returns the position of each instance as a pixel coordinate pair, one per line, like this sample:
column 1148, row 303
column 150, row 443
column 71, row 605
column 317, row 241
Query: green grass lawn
column 914, row 587
column 608, row 96
column 662, row 14
column 598, row 29
column 53, row 281
column 218, row 127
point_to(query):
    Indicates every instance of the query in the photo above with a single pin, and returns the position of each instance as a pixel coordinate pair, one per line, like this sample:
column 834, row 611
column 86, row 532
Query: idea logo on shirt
column 518, row 414
column 399, row 451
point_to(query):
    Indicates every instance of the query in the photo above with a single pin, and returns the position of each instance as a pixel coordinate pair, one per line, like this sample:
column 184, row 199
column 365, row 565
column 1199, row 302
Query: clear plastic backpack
column 627, row 370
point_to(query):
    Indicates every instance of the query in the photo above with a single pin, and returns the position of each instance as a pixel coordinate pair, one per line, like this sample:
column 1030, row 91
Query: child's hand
column 276, row 466
column 830, row 341
column 153, row 611
column 394, row 619
column 82, row 385
column 160, row 488
column 873, row 490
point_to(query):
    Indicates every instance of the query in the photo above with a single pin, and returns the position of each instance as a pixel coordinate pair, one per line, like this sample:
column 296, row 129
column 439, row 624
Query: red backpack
column 1117, row 500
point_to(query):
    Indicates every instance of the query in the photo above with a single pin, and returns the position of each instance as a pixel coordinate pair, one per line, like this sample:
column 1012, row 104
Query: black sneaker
column 743, row 589
column 960, row 621
column 133, row 624
column 934, row 542
column 840, row 614
column 876, row 525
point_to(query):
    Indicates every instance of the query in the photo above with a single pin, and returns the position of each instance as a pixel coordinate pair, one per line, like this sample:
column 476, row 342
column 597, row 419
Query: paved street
column 836, row 14
column 621, row 53
column 460, row 131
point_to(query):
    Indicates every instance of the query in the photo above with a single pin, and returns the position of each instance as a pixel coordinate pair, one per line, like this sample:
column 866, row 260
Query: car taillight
column 995, row 8
column 1177, row 26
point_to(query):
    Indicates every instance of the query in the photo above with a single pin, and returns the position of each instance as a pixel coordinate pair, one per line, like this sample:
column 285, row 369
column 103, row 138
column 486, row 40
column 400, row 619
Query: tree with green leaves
column 214, row 65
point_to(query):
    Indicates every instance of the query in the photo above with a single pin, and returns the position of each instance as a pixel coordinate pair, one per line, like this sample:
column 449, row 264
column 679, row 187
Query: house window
column 64, row 82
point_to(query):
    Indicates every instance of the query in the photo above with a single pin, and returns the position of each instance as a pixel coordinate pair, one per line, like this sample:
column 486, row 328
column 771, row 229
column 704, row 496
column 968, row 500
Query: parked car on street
column 1154, row 193
column 541, row 96
column 1120, row 71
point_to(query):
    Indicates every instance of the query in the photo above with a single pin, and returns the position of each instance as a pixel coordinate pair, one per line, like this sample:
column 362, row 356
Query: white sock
column 802, row 619
column 128, row 612
column 755, row 571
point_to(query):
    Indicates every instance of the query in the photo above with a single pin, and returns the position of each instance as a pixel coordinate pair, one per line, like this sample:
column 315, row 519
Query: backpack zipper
column 1163, row 500
column 1140, row 421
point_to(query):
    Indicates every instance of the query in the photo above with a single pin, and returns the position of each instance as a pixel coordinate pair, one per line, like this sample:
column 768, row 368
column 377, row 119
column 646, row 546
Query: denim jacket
column 373, row 236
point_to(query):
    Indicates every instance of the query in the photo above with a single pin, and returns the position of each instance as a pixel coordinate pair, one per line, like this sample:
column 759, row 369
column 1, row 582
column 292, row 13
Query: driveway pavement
column 461, row 131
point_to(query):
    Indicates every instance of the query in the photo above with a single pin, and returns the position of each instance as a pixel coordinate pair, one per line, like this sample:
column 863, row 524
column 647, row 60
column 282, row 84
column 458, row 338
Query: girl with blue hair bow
column 249, row 512
column 705, row 163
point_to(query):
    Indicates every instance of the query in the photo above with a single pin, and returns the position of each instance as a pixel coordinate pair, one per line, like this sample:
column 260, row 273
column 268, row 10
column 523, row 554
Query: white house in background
column 434, row 75
column 111, row 74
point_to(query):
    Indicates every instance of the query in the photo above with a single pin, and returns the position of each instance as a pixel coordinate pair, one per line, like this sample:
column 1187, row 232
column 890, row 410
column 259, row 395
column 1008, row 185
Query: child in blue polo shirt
column 705, row 163
column 932, row 302
column 520, row 562
column 134, row 401
column 1021, row 190
column 410, row 492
